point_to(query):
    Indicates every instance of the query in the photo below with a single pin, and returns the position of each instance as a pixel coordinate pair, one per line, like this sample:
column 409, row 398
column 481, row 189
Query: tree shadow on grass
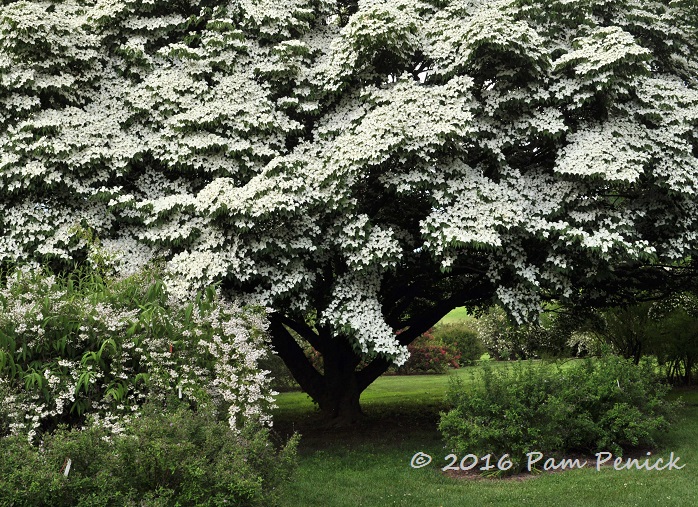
column 384, row 425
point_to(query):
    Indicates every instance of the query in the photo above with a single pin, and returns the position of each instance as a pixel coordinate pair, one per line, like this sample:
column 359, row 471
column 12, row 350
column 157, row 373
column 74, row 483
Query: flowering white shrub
column 504, row 341
column 353, row 163
column 82, row 346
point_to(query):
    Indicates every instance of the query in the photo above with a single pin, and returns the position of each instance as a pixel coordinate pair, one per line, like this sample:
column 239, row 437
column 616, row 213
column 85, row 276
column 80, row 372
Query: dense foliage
column 163, row 458
column 281, row 379
column 601, row 405
column 630, row 330
column 676, row 341
column 83, row 345
column 666, row 329
column 358, row 166
column 429, row 355
column 505, row 340
column 463, row 339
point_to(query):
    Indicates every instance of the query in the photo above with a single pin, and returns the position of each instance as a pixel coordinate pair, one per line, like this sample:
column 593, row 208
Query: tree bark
column 689, row 369
column 339, row 400
column 336, row 391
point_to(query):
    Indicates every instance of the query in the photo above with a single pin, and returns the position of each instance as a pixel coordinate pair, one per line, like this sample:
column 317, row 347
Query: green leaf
column 84, row 381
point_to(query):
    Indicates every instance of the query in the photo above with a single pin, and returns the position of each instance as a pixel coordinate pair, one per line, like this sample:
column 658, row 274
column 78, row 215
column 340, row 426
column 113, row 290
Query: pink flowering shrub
column 428, row 355
column 82, row 345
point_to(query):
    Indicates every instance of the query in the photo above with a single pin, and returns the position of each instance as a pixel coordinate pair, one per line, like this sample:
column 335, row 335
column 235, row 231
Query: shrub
column 82, row 344
column 463, row 339
column 504, row 340
column 608, row 404
column 552, row 337
column 177, row 458
column 427, row 355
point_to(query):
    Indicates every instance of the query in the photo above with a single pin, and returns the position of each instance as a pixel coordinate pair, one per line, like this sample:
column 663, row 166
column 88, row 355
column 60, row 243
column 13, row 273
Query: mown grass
column 456, row 315
column 370, row 465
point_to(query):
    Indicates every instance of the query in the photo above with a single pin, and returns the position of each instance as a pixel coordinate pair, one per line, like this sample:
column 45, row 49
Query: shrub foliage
column 463, row 339
column 176, row 458
column 606, row 404
column 428, row 355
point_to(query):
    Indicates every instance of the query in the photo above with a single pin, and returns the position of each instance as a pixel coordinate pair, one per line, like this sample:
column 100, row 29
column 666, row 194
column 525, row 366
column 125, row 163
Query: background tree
column 630, row 330
column 676, row 346
column 358, row 167
column 505, row 340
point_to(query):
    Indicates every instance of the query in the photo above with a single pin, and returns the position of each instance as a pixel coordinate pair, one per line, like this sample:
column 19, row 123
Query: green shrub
column 607, row 404
column 549, row 338
column 504, row 340
column 181, row 458
column 463, row 339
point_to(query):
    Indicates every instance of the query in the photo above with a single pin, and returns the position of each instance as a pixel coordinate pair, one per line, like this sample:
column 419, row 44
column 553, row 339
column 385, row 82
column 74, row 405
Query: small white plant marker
column 180, row 392
column 67, row 467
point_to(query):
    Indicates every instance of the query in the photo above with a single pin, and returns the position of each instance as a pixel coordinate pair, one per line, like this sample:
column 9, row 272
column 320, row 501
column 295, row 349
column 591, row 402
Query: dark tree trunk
column 338, row 389
column 339, row 401
column 689, row 368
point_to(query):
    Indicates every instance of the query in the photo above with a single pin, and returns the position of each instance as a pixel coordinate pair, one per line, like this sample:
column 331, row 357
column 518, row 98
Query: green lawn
column 456, row 315
column 370, row 465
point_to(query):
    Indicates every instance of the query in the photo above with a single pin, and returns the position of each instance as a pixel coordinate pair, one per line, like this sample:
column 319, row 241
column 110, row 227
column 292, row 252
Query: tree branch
column 418, row 325
column 304, row 331
column 288, row 349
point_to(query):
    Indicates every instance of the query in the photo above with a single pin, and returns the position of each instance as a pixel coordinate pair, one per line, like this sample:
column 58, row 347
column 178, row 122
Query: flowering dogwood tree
column 358, row 167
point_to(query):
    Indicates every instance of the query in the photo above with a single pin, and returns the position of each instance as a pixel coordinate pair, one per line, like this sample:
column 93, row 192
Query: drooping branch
column 401, row 296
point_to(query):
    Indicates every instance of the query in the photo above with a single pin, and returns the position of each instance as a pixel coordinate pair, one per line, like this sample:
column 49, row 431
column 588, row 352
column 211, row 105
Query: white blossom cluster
column 205, row 353
column 307, row 155
column 281, row 20
column 455, row 46
column 360, row 318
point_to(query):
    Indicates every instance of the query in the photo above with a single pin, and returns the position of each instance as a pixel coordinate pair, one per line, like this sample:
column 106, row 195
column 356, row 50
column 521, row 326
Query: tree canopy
column 359, row 167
